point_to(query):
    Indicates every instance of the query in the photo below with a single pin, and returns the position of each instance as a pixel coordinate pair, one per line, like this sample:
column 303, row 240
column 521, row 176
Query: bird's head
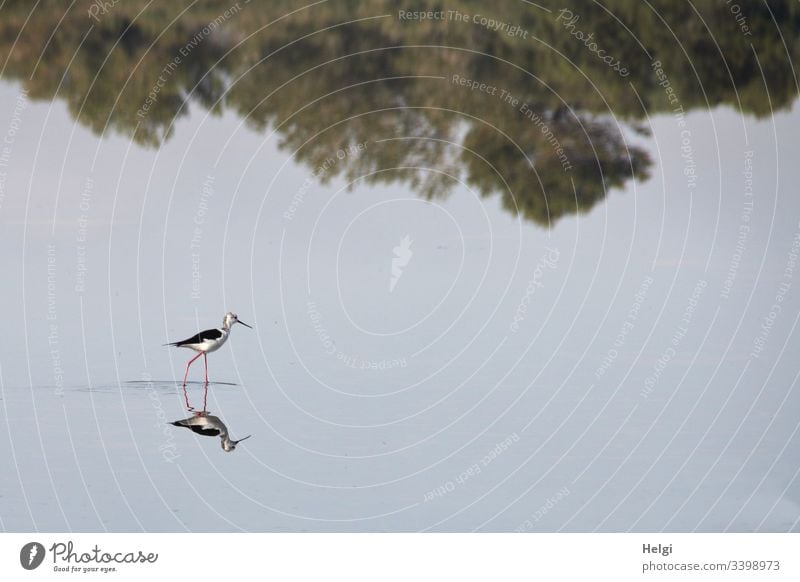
column 229, row 445
column 230, row 319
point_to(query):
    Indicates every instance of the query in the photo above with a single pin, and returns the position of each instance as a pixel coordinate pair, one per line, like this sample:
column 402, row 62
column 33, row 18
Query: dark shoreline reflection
column 546, row 133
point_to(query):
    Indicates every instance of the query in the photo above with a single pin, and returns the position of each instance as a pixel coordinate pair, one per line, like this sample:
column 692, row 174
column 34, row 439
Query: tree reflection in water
column 550, row 139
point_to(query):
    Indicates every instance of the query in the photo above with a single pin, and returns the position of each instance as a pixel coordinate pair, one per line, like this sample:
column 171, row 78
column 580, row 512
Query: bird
column 207, row 341
column 206, row 424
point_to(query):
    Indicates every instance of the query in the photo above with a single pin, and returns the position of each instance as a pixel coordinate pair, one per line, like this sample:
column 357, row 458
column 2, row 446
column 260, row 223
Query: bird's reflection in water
column 206, row 424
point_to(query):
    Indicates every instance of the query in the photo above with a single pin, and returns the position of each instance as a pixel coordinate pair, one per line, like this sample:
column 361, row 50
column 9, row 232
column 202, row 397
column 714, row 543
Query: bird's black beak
column 244, row 324
column 240, row 440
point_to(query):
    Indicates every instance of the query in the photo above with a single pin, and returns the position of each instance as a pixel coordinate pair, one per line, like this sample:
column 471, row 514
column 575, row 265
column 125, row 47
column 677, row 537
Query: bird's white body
column 207, row 346
column 208, row 341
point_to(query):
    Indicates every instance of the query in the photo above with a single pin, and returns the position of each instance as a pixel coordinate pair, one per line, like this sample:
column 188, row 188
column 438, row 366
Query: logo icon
column 31, row 555
column 402, row 255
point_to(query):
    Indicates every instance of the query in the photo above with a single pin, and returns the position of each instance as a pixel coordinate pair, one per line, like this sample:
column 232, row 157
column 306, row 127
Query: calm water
column 503, row 276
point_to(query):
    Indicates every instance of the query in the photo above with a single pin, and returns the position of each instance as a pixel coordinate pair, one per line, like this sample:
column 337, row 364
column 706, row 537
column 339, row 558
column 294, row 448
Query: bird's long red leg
column 186, row 398
column 205, row 359
column 205, row 398
column 186, row 375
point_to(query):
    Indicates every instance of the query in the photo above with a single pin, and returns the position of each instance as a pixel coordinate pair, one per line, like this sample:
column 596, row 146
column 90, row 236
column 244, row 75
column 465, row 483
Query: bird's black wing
column 205, row 431
column 197, row 429
column 209, row 334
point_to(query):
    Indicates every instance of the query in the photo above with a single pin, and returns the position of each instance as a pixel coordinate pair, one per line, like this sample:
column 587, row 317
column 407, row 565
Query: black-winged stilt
column 206, row 424
column 208, row 341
